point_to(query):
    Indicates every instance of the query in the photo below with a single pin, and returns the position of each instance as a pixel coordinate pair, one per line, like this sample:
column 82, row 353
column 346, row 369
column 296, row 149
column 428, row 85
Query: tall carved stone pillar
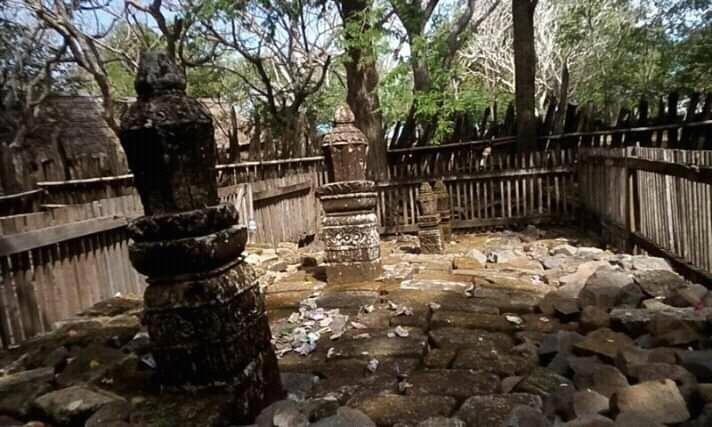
column 203, row 309
column 443, row 198
column 429, row 233
column 350, row 225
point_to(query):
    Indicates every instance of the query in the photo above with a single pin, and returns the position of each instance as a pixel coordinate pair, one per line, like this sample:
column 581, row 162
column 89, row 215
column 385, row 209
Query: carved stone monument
column 350, row 226
column 443, row 198
column 429, row 233
column 203, row 308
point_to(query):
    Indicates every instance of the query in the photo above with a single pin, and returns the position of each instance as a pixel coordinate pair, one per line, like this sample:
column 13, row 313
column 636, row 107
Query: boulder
column 593, row 318
column 345, row 417
column 590, row 421
column 73, row 405
column 477, row 256
column 466, row 263
column 607, row 288
column 494, row 409
column 526, row 416
column 542, row 382
column 604, row 343
column 660, row 399
column 442, row 422
column 607, row 379
column 686, row 382
column 643, row 263
column 566, row 250
column 590, row 402
column 635, row 419
column 389, row 409
column 699, row 363
column 688, row 295
column 659, row 283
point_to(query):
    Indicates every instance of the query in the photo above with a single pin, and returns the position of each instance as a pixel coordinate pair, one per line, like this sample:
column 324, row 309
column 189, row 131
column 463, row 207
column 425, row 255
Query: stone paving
column 533, row 328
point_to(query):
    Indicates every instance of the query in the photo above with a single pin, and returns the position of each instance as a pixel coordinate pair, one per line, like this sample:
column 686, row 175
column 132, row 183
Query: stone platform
column 536, row 328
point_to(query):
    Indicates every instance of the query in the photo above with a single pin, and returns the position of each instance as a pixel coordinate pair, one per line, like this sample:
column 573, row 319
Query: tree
column 362, row 79
column 432, row 51
column 287, row 48
column 524, row 72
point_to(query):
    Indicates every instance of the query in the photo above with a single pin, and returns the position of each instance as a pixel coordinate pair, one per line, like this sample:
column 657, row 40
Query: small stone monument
column 350, row 225
column 203, row 308
column 429, row 233
column 443, row 198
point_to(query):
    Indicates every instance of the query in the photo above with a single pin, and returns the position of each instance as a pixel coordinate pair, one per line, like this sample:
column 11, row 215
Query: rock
column 607, row 288
column 456, row 383
column 705, row 392
column 661, row 400
column 659, row 283
column 526, row 416
column 593, row 318
column 603, row 342
column 590, row 403
column 6, row 421
column 643, row 263
column 388, row 409
column 560, row 403
column 552, row 262
column 477, row 256
column 39, row 375
column 607, row 379
column 17, row 391
column 699, row 363
column 590, row 421
column 509, row 383
column 658, row 319
column 110, row 413
column 438, row 358
column 345, row 417
column 456, row 338
column 57, row 359
column 583, row 369
column 281, row 413
column 91, row 364
column 442, row 422
column 500, row 256
column 588, row 252
column 501, row 362
column 566, row 250
column 298, row 385
column 572, row 284
column 628, row 358
column 494, row 409
column 73, row 405
column 434, row 285
column 555, row 304
column 635, row 419
column 467, row 263
column 113, row 307
column 687, row 295
column 686, row 382
column 542, row 382
column 560, row 342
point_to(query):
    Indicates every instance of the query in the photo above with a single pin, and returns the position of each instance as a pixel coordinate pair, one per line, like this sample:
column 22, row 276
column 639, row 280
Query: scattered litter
column 303, row 329
column 401, row 331
column 366, row 308
column 434, row 306
column 331, row 353
column 404, row 311
column 514, row 319
column 403, row 386
column 357, row 325
column 470, row 291
column 372, row 365
column 363, row 336
column 544, row 319
column 148, row 360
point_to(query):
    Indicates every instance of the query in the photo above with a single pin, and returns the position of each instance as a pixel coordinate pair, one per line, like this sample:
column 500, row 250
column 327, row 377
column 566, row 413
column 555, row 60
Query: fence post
column 632, row 218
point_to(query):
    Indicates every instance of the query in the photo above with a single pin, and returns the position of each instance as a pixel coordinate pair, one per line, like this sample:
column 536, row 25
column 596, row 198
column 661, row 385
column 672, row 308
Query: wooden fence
column 653, row 199
column 63, row 259
column 495, row 190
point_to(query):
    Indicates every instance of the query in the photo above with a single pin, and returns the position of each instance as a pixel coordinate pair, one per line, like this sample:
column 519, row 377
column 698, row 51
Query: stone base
column 446, row 230
column 353, row 272
column 213, row 330
column 431, row 241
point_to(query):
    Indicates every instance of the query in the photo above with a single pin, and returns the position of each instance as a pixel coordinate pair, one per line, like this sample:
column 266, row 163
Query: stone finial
column 345, row 148
column 425, row 188
column 427, row 200
column 344, row 114
column 168, row 138
column 158, row 74
column 439, row 186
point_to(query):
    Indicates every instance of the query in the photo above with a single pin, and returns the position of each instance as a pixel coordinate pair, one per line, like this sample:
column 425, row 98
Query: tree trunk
column 563, row 100
column 525, row 73
column 362, row 90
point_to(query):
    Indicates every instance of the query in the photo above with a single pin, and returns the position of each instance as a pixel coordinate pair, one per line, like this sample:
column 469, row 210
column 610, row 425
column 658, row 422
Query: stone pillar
column 429, row 233
column 203, row 308
column 350, row 225
column 443, row 198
